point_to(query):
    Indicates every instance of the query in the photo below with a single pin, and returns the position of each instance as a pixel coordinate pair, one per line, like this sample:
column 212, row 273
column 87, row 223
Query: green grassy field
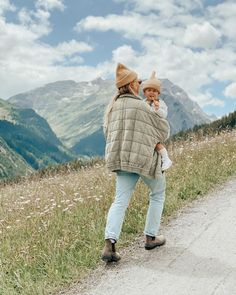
column 52, row 228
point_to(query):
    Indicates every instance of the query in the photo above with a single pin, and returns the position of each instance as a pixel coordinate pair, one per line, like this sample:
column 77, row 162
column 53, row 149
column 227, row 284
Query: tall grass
column 51, row 228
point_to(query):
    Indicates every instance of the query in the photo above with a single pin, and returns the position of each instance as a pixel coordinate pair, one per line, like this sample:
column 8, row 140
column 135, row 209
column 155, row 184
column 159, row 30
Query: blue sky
column 190, row 42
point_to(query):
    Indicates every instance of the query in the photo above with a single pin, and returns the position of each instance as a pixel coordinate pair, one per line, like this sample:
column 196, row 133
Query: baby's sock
column 163, row 153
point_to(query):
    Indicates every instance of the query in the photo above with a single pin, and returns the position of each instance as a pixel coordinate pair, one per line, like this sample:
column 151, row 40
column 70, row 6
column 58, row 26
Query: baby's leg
column 166, row 161
column 159, row 146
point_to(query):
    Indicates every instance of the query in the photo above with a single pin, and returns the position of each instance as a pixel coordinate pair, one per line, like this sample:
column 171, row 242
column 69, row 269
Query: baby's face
column 151, row 94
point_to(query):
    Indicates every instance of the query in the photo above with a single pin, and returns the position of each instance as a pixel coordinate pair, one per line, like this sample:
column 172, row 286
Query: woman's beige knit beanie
column 152, row 82
column 124, row 75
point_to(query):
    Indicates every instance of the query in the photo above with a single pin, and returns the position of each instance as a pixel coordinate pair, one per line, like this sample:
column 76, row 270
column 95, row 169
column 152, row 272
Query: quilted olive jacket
column 133, row 131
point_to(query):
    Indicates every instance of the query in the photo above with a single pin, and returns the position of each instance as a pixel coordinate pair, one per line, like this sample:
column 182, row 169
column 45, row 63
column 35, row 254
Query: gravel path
column 199, row 257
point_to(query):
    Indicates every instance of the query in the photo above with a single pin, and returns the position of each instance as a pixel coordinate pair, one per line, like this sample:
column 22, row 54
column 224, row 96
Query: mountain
column 92, row 145
column 30, row 136
column 224, row 124
column 183, row 113
column 75, row 110
column 11, row 163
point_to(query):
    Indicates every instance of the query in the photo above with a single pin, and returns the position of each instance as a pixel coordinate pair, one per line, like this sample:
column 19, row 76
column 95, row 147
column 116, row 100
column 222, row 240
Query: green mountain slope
column 30, row 136
column 227, row 122
column 11, row 163
column 93, row 145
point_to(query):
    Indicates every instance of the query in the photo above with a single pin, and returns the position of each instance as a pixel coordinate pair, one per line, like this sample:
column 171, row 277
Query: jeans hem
column 148, row 234
column 111, row 237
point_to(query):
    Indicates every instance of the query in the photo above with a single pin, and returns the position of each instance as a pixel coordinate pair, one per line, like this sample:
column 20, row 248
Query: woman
column 132, row 131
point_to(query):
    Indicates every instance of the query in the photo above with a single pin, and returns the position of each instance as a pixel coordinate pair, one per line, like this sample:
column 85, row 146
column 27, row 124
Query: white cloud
column 225, row 9
column 25, row 62
column 13, row 39
column 25, row 16
column 35, row 21
column 223, row 16
column 126, row 55
column 131, row 25
column 67, row 53
column 166, row 8
column 28, row 53
column 128, row 24
column 230, row 90
column 224, row 60
column 38, row 20
column 184, row 30
column 50, row 4
column 206, row 99
column 5, row 5
column 201, row 36
column 73, row 46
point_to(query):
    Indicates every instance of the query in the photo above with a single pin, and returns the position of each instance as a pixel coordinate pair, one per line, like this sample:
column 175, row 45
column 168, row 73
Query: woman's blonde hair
column 126, row 89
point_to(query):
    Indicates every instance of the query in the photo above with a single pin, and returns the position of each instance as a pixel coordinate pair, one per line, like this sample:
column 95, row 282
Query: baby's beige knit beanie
column 152, row 82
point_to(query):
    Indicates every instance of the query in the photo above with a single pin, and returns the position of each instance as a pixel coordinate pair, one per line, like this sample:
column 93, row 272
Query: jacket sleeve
column 162, row 129
column 159, row 126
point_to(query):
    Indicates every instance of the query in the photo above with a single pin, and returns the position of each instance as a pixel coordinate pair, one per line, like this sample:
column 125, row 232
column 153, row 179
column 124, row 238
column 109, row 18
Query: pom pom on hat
column 124, row 75
column 152, row 82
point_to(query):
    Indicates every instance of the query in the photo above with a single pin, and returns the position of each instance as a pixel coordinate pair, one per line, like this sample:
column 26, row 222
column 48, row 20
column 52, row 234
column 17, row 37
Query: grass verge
column 52, row 228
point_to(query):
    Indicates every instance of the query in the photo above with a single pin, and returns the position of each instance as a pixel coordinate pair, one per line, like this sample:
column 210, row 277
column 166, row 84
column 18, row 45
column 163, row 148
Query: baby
column 152, row 90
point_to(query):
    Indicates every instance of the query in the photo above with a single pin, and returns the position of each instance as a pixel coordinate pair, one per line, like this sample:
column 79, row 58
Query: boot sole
column 153, row 247
column 110, row 259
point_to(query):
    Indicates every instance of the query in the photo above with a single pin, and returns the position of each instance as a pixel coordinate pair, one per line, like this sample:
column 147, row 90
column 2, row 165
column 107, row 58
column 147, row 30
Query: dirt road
column 198, row 259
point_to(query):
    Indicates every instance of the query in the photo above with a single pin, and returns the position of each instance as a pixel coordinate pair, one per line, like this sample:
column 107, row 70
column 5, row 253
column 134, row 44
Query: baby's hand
column 156, row 104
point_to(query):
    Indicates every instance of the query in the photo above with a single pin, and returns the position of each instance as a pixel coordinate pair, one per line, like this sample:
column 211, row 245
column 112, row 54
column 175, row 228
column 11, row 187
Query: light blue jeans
column 125, row 184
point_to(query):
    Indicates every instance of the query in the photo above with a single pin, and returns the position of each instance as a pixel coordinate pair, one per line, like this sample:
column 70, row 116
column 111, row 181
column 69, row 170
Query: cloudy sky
column 190, row 42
